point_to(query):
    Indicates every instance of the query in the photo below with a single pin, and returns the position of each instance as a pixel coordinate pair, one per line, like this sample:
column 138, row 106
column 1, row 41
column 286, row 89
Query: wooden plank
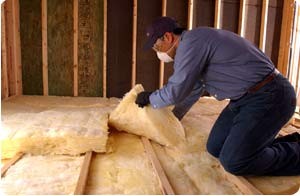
column 293, row 74
column 241, row 28
column 84, row 172
column 75, row 46
column 104, row 71
column 190, row 14
column 17, row 46
column 243, row 184
column 217, row 23
column 10, row 163
column 164, row 182
column 4, row 74
column 285, row 36
column 162, row 64
column 45, row 48
column 263, row 25
column 9, row 47
column 134, row 37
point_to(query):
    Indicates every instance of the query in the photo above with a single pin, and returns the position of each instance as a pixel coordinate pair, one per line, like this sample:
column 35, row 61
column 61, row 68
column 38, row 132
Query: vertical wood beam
column 162, row 64
column 285, row 36
column 134, row 37
column 75, row 46
column 17, row 46
column 242, row 15
column 293, row 76
column 45, row 48
column 263, row 25
column 217, row 23
column 190, row 14
column 104, row 49
column 4, row 84
column 9, row 47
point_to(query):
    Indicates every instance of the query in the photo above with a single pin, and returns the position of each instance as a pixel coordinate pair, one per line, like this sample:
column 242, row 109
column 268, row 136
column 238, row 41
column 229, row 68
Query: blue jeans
column 243, row 136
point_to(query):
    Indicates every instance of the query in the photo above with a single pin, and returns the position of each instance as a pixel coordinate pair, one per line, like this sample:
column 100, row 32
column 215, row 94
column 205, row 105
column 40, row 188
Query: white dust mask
column 163, row 56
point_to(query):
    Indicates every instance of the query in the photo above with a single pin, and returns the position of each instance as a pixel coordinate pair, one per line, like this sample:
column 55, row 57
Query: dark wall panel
column 230, row 15
column 274, row 29
column 203, row 13
column 60, row 47
column 253, row 20
column 177, row 9
column 90, row 47
column 31, row 47
column 119, row 47
column 147, row 67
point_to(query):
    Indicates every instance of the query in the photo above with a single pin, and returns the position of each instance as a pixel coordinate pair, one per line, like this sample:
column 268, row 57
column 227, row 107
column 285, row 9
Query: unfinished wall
column 119, row 46
column 110, row 41
column 90, row 50
column 31, row 46
column 60, row 47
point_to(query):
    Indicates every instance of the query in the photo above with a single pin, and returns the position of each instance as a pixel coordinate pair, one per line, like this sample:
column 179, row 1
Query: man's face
column 164, row 43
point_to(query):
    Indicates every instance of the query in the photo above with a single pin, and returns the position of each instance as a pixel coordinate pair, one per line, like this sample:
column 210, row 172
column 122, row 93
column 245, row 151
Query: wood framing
column 294, row 69
column 241, row 27
column 243, row 184
column 11, row 162
column 164, row 182
column 190, row 14
column 104, row 49
column 263, row 25
column 9, row 47
column 45, row 47
column 217, row 23
column 81, row 183
column 134, row 37
column 17, row 46
column 286, row 30
column 75, row 46
column 4, row 77
column 162, row 64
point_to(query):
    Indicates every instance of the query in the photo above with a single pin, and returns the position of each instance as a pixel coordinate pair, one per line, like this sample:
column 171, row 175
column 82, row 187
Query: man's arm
column 190, row 60
column 184, row 106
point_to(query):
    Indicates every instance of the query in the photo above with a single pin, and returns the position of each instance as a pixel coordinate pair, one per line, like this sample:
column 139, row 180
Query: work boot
column 294, row 137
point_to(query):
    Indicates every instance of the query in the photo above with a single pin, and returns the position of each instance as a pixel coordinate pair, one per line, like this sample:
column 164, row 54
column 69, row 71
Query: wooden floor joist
column 164, row 182
column 11, row 162
column 243, row 184
column 84, row 172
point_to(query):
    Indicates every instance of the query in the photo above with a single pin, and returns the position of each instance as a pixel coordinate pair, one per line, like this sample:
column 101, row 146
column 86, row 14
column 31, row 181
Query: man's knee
column 234, row 165
column 212, row 149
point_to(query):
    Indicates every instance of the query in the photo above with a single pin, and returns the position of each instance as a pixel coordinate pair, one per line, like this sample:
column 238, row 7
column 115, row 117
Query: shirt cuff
column 156, row 101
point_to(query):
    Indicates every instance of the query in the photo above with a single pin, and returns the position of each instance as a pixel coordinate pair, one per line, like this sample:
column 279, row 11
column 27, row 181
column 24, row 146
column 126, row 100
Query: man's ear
column 168, row 37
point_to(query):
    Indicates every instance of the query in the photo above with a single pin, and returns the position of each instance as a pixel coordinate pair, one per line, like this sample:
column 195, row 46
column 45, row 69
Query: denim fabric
column 243, row 135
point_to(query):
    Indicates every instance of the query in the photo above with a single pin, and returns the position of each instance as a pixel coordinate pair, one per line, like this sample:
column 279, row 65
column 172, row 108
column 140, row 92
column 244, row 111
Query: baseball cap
column 158, row 28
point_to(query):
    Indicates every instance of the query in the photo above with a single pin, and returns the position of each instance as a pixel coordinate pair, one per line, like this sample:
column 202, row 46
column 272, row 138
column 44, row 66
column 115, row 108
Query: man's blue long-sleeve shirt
column 225, row 64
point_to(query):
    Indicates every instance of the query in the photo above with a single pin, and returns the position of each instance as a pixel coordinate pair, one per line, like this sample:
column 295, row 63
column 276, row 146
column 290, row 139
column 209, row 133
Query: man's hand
column 143, row 99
